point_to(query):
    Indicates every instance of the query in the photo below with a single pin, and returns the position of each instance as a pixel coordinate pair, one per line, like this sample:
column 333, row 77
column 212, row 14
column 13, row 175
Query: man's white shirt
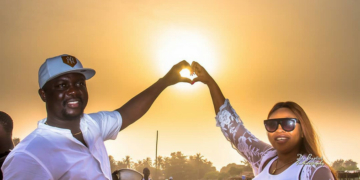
column 53, row 153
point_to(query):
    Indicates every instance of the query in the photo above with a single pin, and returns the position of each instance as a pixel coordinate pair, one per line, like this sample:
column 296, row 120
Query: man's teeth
column 73, row 102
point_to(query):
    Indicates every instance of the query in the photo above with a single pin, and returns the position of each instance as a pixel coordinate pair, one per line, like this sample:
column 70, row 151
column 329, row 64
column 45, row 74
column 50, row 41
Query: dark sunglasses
column 287, row 124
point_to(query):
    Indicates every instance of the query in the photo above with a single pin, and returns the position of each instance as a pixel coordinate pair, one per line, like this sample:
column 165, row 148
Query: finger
column 183, row 79
column 197, row 69
column 195, row 80
column 183, row 65
column 192, row 68
column 199, row 66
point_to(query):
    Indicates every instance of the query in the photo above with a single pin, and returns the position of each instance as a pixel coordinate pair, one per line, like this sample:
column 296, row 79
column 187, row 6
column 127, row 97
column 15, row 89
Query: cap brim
column 87, row 72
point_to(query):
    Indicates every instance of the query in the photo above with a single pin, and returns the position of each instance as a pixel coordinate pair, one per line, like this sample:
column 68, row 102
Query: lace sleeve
column 314, row 170
column 247, row 145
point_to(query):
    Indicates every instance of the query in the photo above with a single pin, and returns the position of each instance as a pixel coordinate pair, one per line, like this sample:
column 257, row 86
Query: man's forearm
column 141, row 103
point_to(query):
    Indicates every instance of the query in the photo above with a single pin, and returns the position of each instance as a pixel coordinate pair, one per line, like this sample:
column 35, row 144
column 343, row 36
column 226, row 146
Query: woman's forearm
column 216, row 95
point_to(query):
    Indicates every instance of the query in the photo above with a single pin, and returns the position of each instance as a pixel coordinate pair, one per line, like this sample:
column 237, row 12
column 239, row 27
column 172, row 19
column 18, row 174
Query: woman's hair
column 310, row 143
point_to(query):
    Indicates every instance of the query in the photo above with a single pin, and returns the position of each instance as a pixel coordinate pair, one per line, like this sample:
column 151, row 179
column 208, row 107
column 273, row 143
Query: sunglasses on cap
column 287, row 124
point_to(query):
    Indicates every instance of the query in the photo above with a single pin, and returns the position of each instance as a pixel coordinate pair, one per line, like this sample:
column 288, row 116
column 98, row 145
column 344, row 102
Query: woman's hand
column 202, row 75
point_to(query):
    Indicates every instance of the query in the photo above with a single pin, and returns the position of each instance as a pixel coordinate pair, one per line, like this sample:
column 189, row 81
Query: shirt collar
column 83, row 125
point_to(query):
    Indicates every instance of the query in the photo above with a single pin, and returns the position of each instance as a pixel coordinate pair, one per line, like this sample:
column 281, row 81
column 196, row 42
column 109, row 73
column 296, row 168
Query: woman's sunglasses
column 287, row 124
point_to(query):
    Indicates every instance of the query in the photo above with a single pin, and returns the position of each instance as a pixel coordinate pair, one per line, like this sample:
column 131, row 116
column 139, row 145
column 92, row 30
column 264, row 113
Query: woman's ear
column 42, row 94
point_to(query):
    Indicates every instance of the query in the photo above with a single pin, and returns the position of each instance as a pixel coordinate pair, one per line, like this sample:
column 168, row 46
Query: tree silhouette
column 341, row 165
column 127, row 161
column 160, row 162
column 198, row 162
column 114, row 165
column 16, row 141
column 147, row 162
column 234, row 171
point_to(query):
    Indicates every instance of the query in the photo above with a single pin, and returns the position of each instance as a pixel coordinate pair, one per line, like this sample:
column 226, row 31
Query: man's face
column 66, row 96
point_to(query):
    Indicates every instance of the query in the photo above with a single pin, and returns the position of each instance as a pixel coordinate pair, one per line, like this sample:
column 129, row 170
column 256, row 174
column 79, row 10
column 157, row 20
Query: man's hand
column 202, row 75
column 173, row 76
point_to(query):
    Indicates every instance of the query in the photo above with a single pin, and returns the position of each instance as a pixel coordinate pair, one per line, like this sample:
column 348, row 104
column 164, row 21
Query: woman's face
column 281, row 140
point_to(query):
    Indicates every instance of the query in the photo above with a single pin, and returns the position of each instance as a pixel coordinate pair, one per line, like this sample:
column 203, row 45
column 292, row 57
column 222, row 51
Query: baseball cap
column 59, row 65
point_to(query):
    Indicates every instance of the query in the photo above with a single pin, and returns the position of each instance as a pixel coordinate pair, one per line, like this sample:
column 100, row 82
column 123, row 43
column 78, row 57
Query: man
column 69, row 144
column 6, row 144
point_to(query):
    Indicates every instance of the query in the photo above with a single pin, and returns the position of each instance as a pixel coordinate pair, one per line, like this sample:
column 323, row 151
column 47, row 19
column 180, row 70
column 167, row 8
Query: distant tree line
column 341, row 165
column 181, row 167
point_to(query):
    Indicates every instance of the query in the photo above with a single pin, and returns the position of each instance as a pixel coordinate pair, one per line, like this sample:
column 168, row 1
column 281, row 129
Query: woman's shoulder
column 269, row 155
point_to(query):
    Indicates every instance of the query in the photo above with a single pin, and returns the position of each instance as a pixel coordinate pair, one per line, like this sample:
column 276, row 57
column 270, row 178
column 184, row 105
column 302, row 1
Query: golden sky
column 260, row 52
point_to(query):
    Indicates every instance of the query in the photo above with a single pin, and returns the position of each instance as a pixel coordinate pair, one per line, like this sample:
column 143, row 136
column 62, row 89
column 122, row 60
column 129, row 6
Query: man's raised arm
column 141, row 103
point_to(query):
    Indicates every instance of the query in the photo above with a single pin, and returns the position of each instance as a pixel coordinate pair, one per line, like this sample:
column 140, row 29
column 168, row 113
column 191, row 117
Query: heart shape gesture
column 183, row 72
column 173, row 76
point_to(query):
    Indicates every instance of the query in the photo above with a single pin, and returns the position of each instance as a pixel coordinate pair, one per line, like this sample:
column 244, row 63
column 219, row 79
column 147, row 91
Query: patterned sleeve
column 247, row 145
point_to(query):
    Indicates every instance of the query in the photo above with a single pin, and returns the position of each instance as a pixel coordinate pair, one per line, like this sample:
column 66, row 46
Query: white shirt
column 291, row 173
column 53, row 153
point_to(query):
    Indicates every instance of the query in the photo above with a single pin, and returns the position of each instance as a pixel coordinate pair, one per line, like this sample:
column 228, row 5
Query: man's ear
column 42, row 94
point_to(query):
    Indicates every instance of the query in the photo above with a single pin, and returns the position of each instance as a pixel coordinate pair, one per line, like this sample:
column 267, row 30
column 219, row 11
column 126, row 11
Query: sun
column 175, row 45
column 186, row 73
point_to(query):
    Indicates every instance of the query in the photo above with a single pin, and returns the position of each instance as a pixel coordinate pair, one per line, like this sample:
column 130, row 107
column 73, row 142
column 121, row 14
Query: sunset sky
column 260, row 52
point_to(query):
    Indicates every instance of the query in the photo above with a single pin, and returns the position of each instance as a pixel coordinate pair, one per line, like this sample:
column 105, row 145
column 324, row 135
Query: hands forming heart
column 174, row 76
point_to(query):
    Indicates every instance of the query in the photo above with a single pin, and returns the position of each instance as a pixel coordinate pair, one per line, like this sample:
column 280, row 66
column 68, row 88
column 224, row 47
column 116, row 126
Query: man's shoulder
column 3, row 157
column 35, row 141
column 102, row 114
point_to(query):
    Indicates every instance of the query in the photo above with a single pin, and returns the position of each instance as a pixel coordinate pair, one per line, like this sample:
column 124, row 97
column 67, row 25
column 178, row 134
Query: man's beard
column 72, row 117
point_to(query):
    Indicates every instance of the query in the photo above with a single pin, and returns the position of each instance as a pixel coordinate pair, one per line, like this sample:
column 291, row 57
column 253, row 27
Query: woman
column 294, row 151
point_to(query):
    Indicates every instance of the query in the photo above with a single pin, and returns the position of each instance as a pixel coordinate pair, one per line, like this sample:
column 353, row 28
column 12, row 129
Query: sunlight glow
column 186, row 73
column 176, row 45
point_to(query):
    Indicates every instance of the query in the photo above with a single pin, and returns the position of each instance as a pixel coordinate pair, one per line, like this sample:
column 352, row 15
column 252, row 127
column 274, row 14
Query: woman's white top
column 288, row 174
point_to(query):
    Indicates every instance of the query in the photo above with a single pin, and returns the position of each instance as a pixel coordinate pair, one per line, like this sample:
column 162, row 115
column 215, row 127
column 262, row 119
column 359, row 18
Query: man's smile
column 73, row 103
